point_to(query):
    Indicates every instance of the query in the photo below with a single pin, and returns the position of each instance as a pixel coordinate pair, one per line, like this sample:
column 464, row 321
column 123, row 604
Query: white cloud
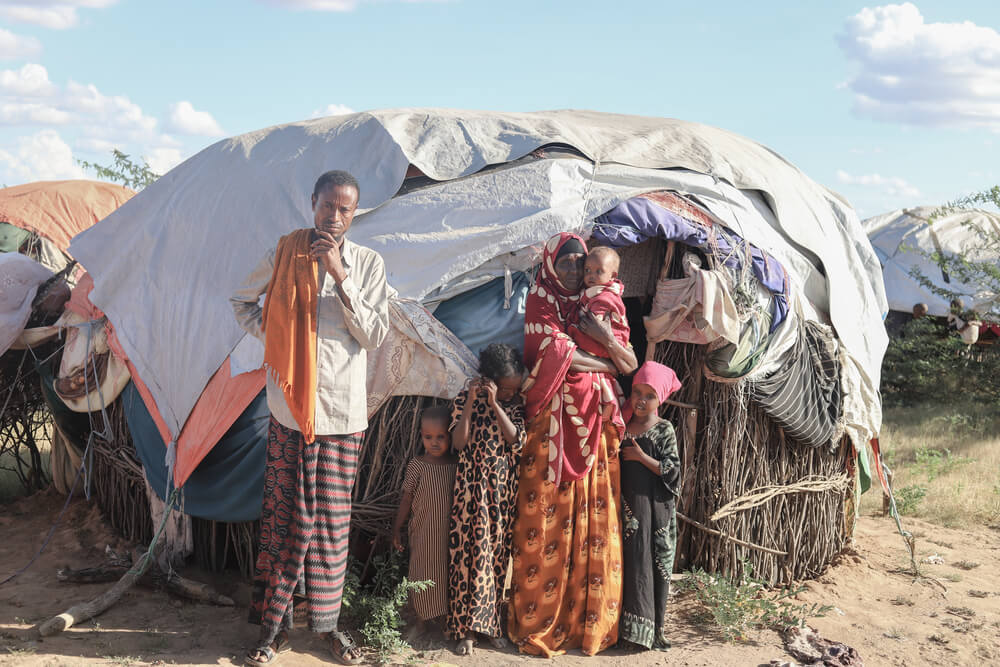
column 42, row 156
column 15, row 47
column 53, row 14
column 332, row 110
column 184, row 119
column 923, row 73
column 890, row 185
column 30, row 81
column 93, row 145
column 161, row 160
column 31, row 113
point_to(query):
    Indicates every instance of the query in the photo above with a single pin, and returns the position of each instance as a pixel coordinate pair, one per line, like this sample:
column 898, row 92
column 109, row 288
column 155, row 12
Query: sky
column 891, row 105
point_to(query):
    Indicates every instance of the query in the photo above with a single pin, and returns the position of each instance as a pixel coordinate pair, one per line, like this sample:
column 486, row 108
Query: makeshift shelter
column 37, row 221
column 904, row 241
column 458, row 201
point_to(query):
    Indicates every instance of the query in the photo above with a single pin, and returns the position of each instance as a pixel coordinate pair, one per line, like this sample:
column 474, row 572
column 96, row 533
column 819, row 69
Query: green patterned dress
column 649, row 531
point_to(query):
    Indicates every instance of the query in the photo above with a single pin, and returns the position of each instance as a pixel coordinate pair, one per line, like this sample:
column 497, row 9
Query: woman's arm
column 600, row 330
column 585, row 362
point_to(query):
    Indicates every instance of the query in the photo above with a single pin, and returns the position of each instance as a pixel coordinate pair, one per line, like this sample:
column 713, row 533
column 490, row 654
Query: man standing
column 326, row 305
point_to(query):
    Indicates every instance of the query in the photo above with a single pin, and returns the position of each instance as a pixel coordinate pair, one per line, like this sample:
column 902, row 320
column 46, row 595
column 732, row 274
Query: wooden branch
column 100, row 604
column 713, row 531
column 153, row 578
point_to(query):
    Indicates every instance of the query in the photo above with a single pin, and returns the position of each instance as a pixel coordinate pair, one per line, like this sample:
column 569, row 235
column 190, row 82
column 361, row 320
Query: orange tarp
column 59, row 210
column 221, row 402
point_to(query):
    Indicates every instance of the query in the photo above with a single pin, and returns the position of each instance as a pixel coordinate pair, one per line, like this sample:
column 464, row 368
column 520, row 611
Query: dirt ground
column 886, row 615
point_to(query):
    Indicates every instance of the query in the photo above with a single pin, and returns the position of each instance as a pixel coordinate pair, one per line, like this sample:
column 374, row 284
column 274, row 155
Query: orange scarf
column 290, row 310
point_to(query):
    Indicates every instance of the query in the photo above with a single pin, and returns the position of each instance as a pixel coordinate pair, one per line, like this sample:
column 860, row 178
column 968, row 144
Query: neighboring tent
column 454, row 200
column 903, row 241
column 40, row 218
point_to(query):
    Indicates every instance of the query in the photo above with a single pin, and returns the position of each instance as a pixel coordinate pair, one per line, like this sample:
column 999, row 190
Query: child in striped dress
column 426, row 502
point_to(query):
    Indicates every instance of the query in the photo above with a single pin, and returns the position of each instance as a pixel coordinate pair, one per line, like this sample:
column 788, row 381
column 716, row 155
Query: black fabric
column 803, row 395
column 571, row 246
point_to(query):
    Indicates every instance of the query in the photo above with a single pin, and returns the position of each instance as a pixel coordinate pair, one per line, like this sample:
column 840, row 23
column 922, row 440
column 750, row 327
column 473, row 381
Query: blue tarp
column 478, row 317
column 228, row 485
column 639, row 219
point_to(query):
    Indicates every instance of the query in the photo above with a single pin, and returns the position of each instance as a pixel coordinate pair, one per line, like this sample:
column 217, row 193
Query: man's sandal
column 268, row 653
column 342, row 646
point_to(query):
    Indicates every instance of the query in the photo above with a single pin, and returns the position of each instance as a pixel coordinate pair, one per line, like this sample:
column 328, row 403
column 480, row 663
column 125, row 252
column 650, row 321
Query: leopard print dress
column 482, row 515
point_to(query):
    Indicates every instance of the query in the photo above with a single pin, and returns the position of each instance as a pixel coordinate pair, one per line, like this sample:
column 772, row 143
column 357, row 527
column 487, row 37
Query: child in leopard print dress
column 487, row 433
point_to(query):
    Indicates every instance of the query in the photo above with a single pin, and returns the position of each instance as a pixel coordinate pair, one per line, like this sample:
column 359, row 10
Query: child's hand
column 489, row 388
column 631, row 452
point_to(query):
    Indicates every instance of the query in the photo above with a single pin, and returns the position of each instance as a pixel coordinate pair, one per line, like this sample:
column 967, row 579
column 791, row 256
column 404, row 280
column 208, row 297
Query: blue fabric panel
column 228, row 485
column 639, row 219
column 478, row 317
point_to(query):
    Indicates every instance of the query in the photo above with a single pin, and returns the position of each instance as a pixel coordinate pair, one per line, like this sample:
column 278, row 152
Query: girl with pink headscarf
column 650, row 473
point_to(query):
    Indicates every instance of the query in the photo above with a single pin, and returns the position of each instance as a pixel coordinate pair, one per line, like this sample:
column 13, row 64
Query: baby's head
column 434, row 434
column 502, row 364
column 600, row 267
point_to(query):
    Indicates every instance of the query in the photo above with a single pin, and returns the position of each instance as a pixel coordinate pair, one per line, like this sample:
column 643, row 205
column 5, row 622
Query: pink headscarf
column 661, row 378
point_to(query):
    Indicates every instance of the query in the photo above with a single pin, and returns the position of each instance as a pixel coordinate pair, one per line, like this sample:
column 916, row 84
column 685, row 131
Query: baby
column 602, row 298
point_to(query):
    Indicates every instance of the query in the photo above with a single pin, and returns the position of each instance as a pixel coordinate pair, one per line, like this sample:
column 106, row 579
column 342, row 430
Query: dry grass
column 945, row 462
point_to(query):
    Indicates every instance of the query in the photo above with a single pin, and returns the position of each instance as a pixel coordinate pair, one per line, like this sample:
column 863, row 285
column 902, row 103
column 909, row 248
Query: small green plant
column 966, row 565
column 737, row 608
column 374, row 607
column 937, row 462
column 908, row 498
column 123, row 170
column 953, row 577
column 901, row 601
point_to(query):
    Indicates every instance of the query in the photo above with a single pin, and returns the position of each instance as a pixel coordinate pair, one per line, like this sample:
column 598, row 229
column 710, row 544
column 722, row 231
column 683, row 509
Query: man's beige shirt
column 343, row 337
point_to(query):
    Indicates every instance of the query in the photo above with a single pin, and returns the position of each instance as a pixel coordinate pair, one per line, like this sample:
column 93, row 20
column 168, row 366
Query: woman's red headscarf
column 574, row 397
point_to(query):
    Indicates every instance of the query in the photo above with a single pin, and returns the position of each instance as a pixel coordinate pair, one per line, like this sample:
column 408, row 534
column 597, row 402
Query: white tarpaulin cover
column 165, row 263
column 902, row 240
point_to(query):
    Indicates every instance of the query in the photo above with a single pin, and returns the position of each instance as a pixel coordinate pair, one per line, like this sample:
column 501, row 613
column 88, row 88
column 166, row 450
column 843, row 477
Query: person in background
column 919, row 310
column 487, row 421
column 327, row 304
column 426, row 502
column 650, row 472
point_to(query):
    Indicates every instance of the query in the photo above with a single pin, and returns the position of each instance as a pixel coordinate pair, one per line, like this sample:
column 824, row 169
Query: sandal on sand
column 342, row 645
column 269, row 653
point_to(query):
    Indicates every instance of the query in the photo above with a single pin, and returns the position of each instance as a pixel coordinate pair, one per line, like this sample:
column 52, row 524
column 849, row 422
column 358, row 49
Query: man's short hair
column 335, row 178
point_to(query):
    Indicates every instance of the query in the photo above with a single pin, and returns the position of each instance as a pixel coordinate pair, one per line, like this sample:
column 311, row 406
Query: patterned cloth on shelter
column 573, row 397
column 482, row 517
column 668, row 216
column 804, row 394
column 697, row 309
column 566, row 548
column 303, row 528
column 431, row 486
column 20, row 278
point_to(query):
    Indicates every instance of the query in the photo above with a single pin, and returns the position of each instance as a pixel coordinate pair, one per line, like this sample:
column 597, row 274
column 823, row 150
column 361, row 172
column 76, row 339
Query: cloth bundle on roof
column 731, row 361
column 668, row 216
column 12, row 238
column 803, row 396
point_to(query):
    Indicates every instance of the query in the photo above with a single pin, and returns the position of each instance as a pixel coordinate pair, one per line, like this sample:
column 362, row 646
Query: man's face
column 597, row 270
column 333, row 210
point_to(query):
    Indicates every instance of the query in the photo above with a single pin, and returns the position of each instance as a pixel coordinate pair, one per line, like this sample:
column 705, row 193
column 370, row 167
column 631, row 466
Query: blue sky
column 890, row 104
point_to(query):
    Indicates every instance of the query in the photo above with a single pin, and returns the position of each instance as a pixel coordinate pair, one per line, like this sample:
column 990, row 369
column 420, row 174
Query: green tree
column 123, row 170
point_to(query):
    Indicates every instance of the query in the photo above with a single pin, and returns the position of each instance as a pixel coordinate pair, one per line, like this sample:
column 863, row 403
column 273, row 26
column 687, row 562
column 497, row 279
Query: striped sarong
column 304, row 528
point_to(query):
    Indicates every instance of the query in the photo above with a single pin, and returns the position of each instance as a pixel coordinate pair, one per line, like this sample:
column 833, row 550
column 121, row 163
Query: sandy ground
column 886, row 615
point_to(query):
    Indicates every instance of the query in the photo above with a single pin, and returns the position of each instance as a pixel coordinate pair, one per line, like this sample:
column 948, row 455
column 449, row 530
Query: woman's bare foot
column 498, row 642
column 464, row 646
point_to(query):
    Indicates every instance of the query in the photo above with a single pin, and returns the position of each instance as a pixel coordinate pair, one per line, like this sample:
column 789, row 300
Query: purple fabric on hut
column 639, row 219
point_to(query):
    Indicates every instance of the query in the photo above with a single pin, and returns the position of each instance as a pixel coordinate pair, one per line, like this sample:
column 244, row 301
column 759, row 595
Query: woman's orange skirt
column 567, row 552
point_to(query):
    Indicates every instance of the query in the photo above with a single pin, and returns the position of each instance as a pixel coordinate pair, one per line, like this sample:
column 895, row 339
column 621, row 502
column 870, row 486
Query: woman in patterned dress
column 566, row 550
column 487, row 431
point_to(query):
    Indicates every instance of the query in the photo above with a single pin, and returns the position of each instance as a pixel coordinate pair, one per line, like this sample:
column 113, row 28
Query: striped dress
column 431, row 485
